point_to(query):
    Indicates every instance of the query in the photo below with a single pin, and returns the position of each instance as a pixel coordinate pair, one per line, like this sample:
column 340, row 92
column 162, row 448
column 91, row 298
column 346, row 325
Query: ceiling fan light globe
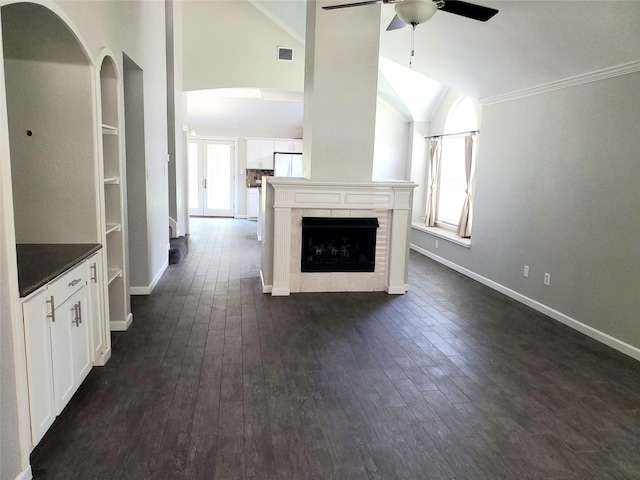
column 415, row 12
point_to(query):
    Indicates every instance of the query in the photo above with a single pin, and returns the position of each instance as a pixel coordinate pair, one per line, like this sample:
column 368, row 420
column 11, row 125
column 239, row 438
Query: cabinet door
column 253, row 154
column 266, row 154
column 80, row 345
column 252, row 202
column 94, row 310
column 282, row 146
column 296, row 146
column 36, row 315
column 61, row 354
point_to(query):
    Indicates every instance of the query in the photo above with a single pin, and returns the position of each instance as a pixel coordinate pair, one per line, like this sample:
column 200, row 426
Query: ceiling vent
column 285, row 54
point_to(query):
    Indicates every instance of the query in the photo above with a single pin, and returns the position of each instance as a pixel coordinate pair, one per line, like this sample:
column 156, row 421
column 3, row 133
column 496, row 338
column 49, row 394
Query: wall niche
column 51, row 128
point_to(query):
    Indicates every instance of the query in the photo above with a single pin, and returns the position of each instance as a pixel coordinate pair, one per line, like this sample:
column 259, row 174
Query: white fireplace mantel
column 286, row 200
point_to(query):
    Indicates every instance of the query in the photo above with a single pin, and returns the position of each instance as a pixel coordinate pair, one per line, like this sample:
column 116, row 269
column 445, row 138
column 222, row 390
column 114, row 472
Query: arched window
column 452, row 181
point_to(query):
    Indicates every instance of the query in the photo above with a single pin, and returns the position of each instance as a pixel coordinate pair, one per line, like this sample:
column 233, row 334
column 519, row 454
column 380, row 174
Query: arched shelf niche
column 115, row 224
column 51, row 123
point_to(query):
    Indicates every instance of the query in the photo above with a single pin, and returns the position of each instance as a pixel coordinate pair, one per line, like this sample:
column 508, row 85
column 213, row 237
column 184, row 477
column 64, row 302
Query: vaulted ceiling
column 527, row 44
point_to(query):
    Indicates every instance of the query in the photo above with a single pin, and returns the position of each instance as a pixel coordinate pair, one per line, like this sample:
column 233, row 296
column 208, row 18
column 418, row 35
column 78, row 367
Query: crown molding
column 596, row 76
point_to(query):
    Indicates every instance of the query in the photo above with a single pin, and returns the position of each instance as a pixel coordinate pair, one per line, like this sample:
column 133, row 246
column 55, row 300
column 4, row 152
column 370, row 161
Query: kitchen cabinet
column 57, row 325
column 259, row 154
column 99, row 333
column 287, row 146
column 37, row 334
column 253, row 199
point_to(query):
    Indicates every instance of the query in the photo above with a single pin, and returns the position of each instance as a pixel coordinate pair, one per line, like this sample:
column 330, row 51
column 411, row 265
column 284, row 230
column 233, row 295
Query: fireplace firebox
column 337, row 244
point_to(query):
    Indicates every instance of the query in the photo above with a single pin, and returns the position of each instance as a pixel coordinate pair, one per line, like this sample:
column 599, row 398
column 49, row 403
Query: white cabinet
column 57, row 327
column 253, row 199
column 99, row 334
column 259, row 154
column 287, row 146
column 36, row 312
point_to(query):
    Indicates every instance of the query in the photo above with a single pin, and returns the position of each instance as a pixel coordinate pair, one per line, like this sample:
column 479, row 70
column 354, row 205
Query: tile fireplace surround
column 286, row 200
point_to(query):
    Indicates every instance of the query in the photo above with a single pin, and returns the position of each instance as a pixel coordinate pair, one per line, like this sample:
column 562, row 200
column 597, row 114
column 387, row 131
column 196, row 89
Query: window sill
column 444, row 234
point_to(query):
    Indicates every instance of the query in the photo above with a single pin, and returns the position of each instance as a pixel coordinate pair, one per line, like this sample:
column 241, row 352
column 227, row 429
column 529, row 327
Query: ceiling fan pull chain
column 413, row 33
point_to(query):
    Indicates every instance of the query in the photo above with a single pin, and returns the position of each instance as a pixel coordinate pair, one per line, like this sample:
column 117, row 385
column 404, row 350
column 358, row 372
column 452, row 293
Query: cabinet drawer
column 67, row 284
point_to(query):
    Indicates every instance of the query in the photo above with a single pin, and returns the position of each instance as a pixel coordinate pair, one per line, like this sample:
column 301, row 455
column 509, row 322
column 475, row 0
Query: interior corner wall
column 556, row 189
column 418, row 167
column 390, row 145
column 10, row 463
column 231, row 44
column 171, row 107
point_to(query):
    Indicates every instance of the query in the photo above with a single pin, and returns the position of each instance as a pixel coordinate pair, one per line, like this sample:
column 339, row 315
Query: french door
column 211, row 177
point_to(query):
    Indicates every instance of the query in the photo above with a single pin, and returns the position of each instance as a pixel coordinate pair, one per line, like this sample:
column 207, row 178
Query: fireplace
column 381, row 208
column 338, row 244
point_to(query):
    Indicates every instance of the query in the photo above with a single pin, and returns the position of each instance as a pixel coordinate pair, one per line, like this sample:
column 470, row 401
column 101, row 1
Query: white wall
column 53, row 181
column 556, row 189
column 341, row 79
column 390, row 144
column 231, row 44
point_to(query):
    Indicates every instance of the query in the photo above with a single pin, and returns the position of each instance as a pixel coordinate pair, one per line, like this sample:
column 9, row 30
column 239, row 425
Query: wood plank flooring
column 215, row 380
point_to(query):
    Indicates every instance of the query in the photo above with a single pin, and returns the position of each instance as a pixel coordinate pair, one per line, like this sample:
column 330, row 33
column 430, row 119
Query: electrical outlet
column 436, row 243
column 526, row 271
column 547, row 279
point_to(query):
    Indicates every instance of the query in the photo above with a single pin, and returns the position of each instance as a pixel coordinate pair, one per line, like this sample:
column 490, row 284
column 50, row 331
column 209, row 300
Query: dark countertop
column 39, row 263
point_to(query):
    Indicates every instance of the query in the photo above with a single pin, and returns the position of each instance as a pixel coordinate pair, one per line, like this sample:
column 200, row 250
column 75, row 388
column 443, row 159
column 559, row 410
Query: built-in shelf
column 109, row 130
column 113, row 227
column 113, row 274
column 114, row 196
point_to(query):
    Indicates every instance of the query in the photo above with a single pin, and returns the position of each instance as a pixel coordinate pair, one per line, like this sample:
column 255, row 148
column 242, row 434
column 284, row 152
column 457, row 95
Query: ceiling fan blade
column 396, row 23
column 346, row 5
column 469, row 10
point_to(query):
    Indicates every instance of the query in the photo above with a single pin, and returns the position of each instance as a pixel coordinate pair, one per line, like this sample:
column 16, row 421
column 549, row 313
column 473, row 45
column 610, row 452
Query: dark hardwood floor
column 452, row 380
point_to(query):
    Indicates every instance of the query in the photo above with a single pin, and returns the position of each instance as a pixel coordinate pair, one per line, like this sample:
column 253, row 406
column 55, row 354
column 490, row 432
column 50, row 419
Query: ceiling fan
column 415, row 12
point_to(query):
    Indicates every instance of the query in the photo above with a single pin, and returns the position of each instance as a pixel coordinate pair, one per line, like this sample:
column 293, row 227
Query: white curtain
column 464, row 225
column 435, row 154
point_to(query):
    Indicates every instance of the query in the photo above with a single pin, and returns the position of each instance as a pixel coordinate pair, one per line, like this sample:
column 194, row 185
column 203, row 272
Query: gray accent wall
column 557, row 189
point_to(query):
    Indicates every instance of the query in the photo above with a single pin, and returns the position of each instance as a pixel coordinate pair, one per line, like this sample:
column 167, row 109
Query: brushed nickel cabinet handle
column 75, row 282
column 52, row 315
column 75, row 321
column 94, row 272
column 79, row 312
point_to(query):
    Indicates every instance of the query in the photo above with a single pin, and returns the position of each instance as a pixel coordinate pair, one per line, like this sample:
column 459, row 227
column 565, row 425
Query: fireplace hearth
column 338, row 244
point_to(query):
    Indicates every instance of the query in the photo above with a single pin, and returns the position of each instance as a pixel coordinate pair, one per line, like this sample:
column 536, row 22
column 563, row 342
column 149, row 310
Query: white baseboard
column 152, row 285
column 396, row 290
column 602, row 337
column 140, row 290
column 265, row 288
column 280, row 292
column 102, row 360
column 25, row 474
column 121, row 326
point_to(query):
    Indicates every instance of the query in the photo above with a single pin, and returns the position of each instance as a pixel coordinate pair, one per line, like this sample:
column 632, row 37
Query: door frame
column 234, row 165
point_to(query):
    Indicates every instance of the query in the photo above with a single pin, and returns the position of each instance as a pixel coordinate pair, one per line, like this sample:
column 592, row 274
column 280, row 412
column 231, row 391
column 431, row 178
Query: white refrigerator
column 287, row 164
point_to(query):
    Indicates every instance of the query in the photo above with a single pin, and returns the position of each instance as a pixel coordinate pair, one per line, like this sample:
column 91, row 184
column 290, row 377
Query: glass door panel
column 219, row 179
column 211, row 179
column 196, row 180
